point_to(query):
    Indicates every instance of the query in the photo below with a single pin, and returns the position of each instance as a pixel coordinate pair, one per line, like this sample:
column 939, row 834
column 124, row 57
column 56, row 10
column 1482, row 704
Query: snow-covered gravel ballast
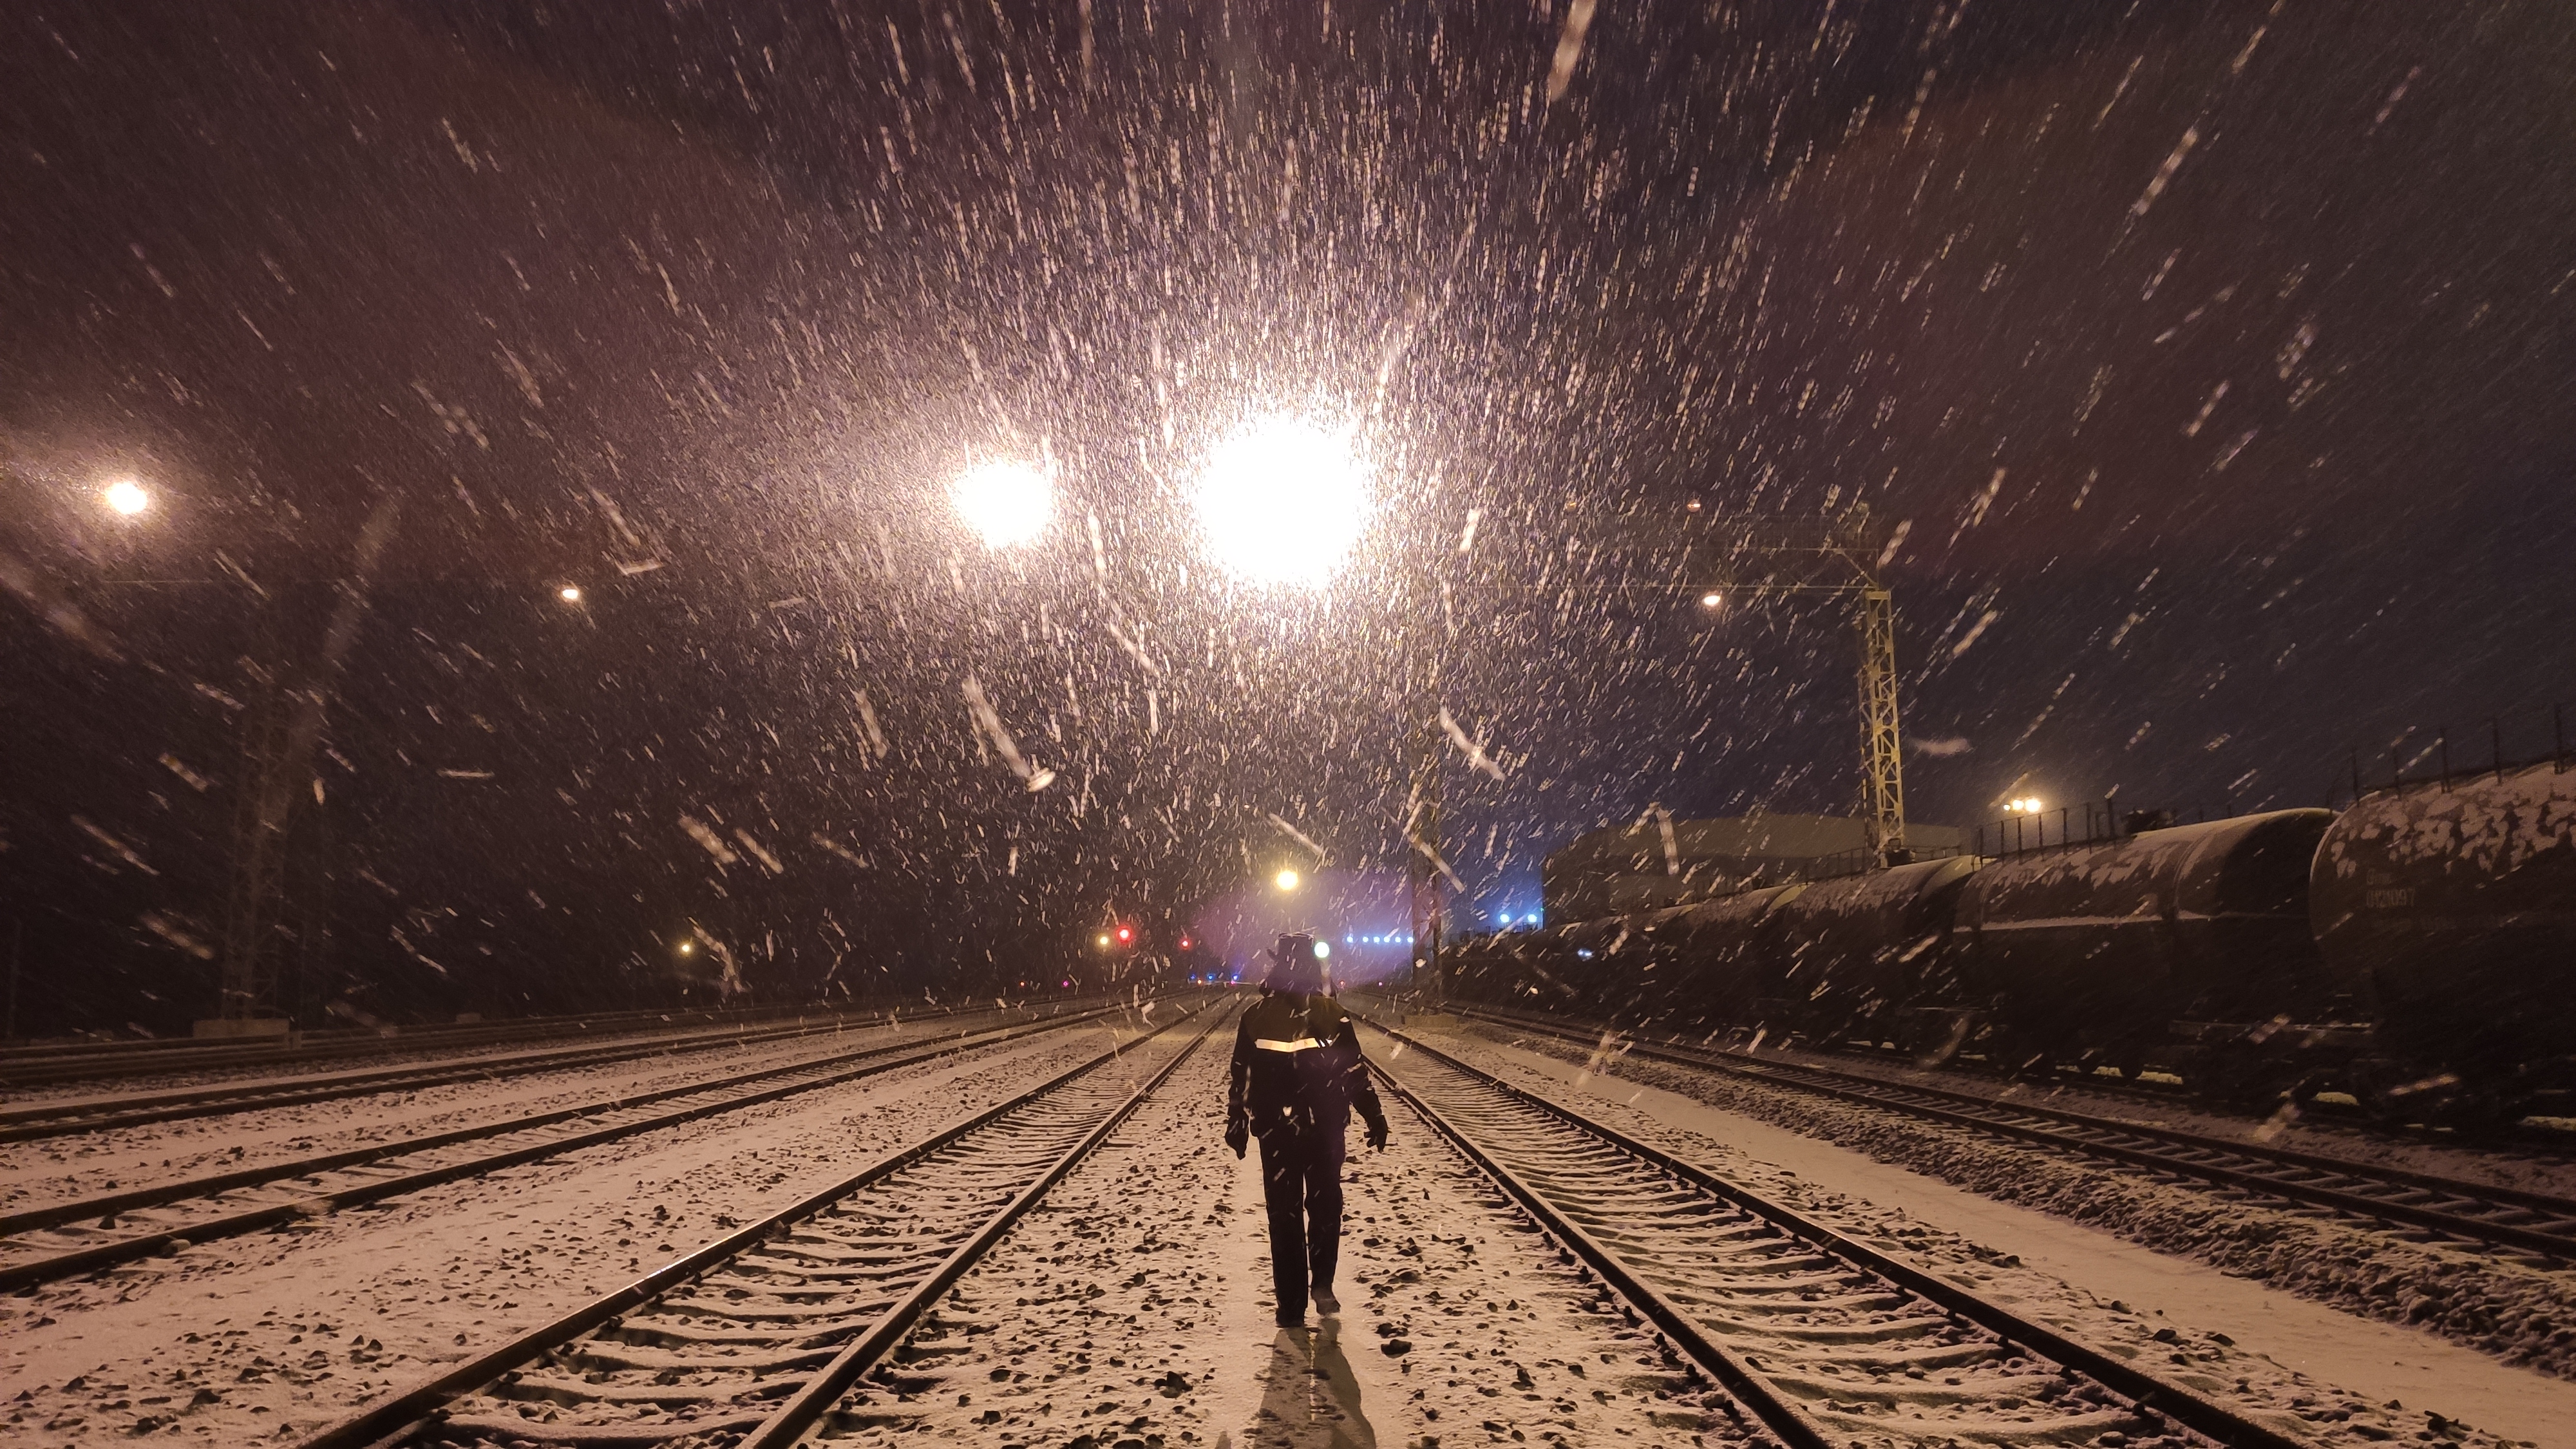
column 417, row 1051
column 1132, row 1308
column 2524, row 1166
column 2338, row 1413
column 34, row 1174
column 266, row 1336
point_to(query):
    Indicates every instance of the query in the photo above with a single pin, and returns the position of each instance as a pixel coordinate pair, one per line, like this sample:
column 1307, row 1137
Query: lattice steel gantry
column 1835, row 555
column 1882, row 754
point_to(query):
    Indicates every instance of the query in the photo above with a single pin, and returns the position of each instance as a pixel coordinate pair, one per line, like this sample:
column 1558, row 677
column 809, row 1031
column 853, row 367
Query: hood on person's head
column 1297, row 964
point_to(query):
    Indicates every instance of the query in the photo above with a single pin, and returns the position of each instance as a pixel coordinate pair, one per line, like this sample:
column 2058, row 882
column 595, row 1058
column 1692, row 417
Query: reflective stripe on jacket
column 1297, row 1066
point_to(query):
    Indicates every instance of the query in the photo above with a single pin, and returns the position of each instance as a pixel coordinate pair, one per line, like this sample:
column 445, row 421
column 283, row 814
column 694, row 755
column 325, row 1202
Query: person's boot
column 1325, row 1302
column 1291, row 1318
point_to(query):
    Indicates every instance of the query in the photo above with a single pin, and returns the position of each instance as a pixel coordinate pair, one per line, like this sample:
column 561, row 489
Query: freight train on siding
column 2417, row 950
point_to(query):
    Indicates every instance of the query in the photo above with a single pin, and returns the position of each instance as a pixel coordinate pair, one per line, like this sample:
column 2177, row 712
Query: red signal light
column 1126, row 934
column 1185, row 943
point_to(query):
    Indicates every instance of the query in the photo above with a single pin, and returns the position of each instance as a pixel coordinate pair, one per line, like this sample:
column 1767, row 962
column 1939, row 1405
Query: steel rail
column 2146, row 1391
column 1739, row 1379
column 421, row 1408
column 15, row 1276
column 2186, row 1153
column 30, row 1066
column 73, row 1117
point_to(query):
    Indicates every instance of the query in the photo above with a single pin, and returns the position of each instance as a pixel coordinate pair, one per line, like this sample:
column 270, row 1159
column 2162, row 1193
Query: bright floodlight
column 1008, row 503
column 569, row 594
column 1286, row 880
column 127, row 497
column 1711, row 600
column 688, row 948
column 1322, row 950
column 1283, row 502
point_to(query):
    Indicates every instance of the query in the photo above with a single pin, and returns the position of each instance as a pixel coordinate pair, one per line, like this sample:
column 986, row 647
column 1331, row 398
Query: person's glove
column 1238, row 1134
column 1377, row 1136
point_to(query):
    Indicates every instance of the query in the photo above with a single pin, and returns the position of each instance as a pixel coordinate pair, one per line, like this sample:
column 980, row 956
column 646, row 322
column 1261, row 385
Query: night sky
column 2213, row 359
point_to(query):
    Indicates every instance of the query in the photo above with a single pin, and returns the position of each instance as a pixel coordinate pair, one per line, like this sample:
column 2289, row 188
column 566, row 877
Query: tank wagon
column 1847, row 958
column 2423, row 940
column 2454, row 906
column 1723, row 948
column 2121, row 952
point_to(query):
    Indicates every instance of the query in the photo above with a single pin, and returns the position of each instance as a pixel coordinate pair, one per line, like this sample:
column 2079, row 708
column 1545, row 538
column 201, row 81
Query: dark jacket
column 1297, row 1067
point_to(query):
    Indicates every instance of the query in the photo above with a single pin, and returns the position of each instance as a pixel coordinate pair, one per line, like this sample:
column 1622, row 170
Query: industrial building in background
column 1658, row 861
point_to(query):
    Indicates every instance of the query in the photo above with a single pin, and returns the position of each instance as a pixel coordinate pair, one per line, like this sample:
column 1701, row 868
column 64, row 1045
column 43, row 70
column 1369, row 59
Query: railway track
column 61, row 1240
column 28, row 1066
column 1825, row 1339
column 2526, row 1222
column 38, row 1121
column 756, row 1337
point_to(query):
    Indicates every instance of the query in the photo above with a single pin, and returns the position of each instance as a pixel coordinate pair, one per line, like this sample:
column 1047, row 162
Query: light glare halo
column 1007, row 504
column 127, row 497
column 1283, row 501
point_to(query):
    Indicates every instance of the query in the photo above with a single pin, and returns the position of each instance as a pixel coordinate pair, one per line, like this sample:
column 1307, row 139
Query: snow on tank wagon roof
column 2243, row 865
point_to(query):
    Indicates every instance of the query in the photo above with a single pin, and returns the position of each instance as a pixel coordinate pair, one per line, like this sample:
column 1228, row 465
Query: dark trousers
column 1301, row 1183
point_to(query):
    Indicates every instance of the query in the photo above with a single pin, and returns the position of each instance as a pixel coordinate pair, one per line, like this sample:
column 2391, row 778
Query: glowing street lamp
column 1712, row 601
column 688, row 948
column 127, row 497
column 569, row 593
column 1007, row 504
column 1286, row 880
column 1283, row 501
column 2024, row 805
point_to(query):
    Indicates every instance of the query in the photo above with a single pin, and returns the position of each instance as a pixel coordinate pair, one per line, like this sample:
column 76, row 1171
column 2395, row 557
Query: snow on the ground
column 2234, row 1339
column 1132, row 1308
column 268, row 1336
column 2322, row 1133
column 50, row 1170
column 398, row 1051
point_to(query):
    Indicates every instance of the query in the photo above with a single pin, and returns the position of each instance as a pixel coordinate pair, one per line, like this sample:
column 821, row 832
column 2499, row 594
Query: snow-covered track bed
column 62, row 1239
column 170, row 1059
column 77, row 1116
column 2478, row 1213
column 1826, row 1340
column 756, row 1336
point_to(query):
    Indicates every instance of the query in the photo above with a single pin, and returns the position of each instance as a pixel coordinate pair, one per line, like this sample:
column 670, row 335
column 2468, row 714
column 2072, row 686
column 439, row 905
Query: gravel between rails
column 2522, row 1165
column 755, row 1337
column 1832, row 1340
column 265, row 1337
column 88, row 1113
column 1132, row 1308
column 34, row 1075
column 65, row 1240
column 2334, row 1414
column 36, row 1174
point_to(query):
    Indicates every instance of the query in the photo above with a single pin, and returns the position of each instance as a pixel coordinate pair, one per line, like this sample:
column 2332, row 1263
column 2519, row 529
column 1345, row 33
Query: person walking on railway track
column 1297, row 1075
